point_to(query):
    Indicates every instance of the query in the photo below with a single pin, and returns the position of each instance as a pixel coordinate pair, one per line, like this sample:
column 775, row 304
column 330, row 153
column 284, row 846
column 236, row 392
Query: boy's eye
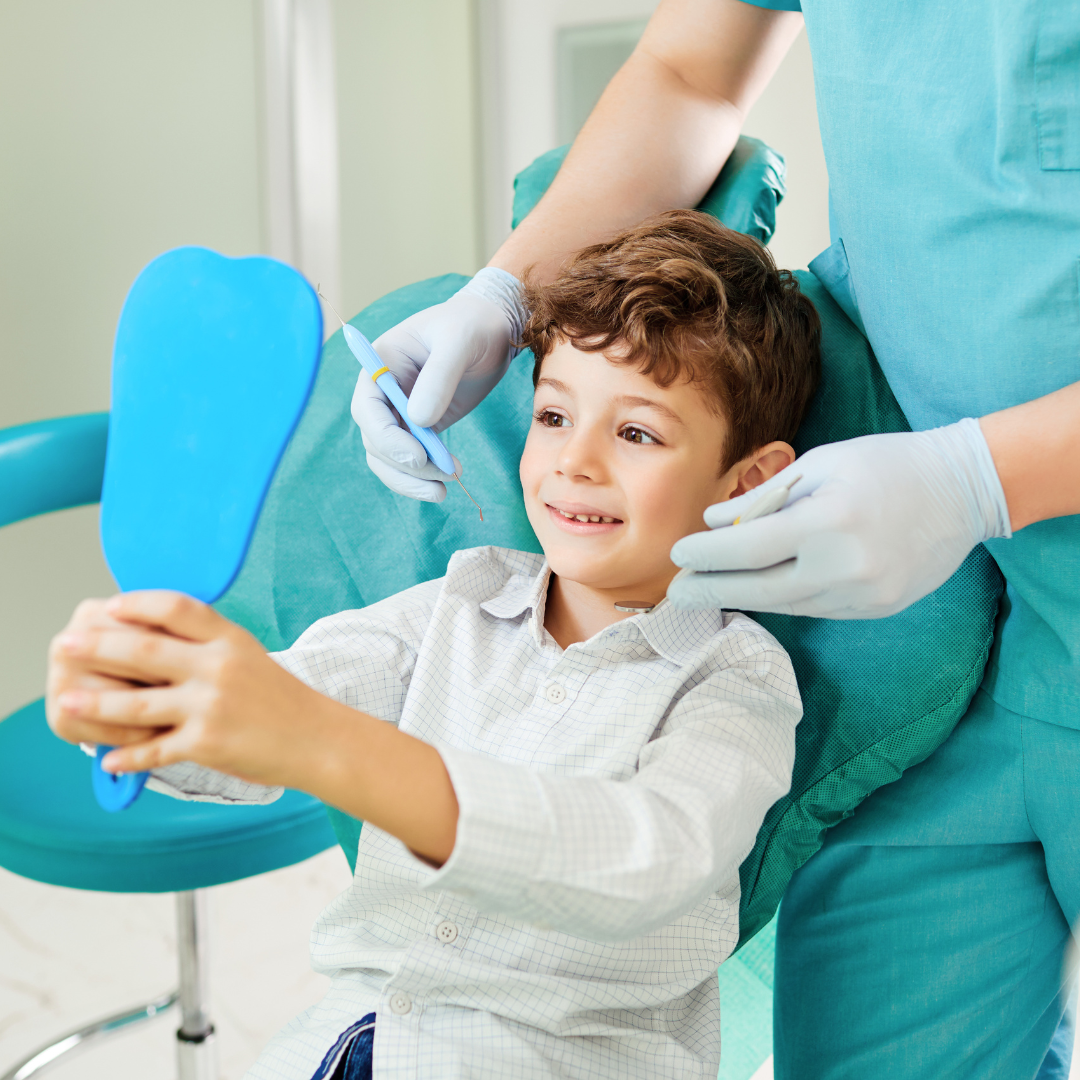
column 550, row 418
column 637, row 435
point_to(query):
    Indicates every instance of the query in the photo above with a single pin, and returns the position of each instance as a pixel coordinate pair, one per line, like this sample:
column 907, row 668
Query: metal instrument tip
column 318, row 293
column 471, row 499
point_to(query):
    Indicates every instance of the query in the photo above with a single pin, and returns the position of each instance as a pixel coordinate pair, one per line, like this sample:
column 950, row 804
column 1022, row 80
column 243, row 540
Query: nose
column 581, row 456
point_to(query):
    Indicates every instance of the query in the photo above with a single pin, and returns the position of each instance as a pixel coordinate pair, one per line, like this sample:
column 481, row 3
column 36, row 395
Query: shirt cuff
column 196, row 783
column 503, row 832
column 501, row 288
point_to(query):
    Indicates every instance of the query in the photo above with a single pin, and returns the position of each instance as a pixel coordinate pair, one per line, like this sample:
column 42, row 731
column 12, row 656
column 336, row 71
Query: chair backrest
column 879, row 695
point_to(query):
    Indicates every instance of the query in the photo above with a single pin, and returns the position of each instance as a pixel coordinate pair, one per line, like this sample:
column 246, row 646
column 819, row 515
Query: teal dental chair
column 879, row 696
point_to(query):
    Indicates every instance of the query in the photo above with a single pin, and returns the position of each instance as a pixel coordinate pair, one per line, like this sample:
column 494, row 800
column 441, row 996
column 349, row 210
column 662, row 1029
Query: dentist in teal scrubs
column 927, row 939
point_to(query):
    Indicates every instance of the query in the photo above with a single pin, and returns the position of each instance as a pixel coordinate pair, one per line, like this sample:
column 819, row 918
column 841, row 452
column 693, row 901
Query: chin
column 594, row 572
column 573, row 567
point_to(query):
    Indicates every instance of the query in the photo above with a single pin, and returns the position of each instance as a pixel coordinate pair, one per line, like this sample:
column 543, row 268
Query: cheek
column 533, row 464
column 670, row 502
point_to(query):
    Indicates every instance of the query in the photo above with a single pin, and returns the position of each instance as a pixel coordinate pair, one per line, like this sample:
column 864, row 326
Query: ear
column 760, row 466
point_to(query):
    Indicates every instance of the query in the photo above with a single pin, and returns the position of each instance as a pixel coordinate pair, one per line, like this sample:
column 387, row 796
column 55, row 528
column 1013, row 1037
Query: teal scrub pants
column 927, row 939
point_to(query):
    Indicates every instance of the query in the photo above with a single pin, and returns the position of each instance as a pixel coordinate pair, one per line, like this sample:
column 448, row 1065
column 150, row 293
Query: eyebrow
column 631, row 400
column 648, row 403
column 559, row 387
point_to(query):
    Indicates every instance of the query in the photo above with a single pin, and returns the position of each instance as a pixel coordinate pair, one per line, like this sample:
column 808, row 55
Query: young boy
column 557, row 795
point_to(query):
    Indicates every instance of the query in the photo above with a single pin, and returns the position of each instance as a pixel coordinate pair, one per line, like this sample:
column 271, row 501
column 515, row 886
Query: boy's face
column 639, row 461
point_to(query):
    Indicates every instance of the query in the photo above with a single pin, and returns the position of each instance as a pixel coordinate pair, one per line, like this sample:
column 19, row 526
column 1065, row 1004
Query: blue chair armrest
column 51, row 465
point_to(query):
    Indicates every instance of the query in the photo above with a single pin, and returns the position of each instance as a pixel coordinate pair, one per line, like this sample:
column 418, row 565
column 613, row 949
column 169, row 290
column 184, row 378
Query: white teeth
column 588, row 518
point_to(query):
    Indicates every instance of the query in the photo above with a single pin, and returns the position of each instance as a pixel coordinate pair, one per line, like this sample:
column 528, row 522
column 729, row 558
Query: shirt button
column 446, row 932
column 555, row 693
column 400, row 1003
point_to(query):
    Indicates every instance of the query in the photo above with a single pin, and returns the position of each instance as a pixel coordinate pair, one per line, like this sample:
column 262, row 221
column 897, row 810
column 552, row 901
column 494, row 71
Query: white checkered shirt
column 607, row 795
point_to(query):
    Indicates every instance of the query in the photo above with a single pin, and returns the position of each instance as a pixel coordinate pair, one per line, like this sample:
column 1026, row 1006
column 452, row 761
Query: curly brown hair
column 682, row 296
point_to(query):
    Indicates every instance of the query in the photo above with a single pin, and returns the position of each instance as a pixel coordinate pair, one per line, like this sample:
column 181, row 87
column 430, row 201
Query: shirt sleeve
column 364, row 659
column 610, row 860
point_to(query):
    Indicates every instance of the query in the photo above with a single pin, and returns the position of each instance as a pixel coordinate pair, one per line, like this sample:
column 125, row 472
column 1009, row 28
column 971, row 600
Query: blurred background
column 369, row 143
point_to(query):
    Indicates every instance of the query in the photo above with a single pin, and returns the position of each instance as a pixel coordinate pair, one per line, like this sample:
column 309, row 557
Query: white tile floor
column 69, row 957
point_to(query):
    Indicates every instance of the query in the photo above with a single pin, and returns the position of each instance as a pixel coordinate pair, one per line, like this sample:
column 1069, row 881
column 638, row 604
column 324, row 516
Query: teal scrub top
column 952, row 138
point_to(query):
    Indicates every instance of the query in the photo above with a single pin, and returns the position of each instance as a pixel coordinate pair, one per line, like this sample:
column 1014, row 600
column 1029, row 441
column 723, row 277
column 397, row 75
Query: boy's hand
column 68, row 672
column 165, row 678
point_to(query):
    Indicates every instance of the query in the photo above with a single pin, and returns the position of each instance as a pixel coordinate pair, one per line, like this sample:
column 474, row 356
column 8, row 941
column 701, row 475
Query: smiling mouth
column 577, row 520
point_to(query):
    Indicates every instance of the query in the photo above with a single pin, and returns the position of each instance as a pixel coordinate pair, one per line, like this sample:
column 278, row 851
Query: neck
column 574, row 612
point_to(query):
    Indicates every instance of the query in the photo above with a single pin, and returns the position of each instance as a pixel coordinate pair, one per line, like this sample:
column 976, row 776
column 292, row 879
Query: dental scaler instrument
column 772, row 500
column 384, row 379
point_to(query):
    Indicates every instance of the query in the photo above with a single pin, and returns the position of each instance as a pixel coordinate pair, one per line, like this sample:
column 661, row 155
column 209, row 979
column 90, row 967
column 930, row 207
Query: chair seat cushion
column 158, row 845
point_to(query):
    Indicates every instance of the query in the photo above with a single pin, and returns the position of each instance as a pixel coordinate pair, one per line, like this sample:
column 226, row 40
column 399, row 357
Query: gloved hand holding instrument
column 446, row 358
column 873, row 525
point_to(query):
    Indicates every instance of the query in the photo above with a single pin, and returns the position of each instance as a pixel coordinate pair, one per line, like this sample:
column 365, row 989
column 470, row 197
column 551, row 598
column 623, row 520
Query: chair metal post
column 195, row 1049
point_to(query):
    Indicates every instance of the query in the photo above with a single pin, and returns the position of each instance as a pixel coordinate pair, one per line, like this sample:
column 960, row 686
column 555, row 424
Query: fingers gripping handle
column 766, row 503
column 371, row 362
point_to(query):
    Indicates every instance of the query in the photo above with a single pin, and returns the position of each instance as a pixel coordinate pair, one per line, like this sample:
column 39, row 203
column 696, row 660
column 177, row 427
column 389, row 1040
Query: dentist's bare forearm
column 376, row 773
column 662, row 130
column 1036, row 448
column 647, row 147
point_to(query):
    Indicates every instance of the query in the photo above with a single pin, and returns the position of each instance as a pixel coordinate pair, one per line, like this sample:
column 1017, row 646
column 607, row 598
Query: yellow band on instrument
column 381, row 371
column 737, row 520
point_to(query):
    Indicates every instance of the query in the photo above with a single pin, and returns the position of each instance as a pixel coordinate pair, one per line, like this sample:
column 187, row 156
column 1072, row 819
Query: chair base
column 62, row 1049
column 196, row 1057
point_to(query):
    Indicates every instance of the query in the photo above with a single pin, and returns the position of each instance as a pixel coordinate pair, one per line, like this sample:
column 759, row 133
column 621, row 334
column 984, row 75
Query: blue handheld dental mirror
column 213, row 364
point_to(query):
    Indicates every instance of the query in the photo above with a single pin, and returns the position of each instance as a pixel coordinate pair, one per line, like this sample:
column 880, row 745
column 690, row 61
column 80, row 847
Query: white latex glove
column 447, row 359
column 874, row 524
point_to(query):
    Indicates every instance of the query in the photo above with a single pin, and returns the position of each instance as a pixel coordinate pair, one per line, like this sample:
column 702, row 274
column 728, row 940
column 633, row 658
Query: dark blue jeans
column 354, row 1063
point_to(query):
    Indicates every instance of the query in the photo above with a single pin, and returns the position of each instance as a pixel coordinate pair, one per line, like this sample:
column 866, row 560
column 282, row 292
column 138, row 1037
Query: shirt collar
column 675, row 634
column 520, row 593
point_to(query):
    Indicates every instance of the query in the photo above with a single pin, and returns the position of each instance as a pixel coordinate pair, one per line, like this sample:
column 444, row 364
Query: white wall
column 127, row 128
column 409, row 160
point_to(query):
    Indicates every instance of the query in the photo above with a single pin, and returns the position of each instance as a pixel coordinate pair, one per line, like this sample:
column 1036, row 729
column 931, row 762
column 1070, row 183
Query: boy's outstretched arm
column 166, row 679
